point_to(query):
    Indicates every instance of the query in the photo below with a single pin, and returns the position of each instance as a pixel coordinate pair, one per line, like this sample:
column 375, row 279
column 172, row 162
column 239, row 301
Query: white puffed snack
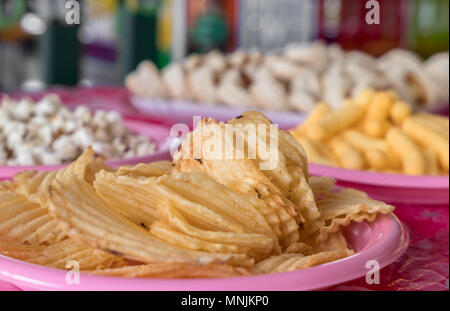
column 46, row 133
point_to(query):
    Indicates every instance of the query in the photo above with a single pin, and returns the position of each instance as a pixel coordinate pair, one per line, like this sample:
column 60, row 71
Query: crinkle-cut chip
column 350, row 201
column 299, row 248
column 167, row 233
column 25, row 222
column 334, row 242
column 290, row 173
column 292, row 262
column 201, row 189
column 287, row 143
column 85, row 217
column 252, row 241
column 7, row 185
column 338, row 209
column 59, row 254
column 154, row 169
column 125, row 195
column 34, row 185
column 240, row 175
column 321, row 186
column 174, row 271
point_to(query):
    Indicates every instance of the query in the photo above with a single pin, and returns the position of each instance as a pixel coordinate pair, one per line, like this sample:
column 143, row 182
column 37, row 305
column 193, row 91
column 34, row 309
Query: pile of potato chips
column 378, row 132
column 197, row 217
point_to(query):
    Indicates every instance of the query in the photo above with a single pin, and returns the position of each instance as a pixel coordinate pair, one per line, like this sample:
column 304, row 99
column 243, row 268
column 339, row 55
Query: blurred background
column 38, row 48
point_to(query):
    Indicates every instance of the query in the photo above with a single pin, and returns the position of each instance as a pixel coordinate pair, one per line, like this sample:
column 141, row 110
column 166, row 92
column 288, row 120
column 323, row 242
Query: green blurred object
column 60, row 47
column 14, row 16
column 210, row 32
column 429, row 29
column 138, row 21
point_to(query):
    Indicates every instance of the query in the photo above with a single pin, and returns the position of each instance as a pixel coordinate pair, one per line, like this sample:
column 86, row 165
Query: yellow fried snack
column 174, row 271
column 349, row 157
column 409, row 152
column 60, row 254
column 366, row 131
column 123, row 194
column 430, row 138
column 85, row 217
column 200, row 217
column 154, row 169
column 380, row 106
column 34, row 185
column 25, row 222
column 335, row 122
column 399, row 112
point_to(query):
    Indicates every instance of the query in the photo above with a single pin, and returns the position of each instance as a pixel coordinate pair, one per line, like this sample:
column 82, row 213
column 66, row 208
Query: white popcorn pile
column 47, row 133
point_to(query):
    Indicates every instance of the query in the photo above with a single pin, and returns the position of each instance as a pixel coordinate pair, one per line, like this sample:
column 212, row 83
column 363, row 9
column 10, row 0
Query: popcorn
column 47, row 133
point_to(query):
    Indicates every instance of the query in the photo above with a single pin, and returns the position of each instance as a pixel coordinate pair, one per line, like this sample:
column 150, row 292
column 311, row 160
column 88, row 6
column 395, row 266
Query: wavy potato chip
column 154, row 169
column 124, row 195
column 7, row 185
column 24, row 222
column 174, row 270
column 34, row 185
column 85, row 217
column 248, row 240
column 167, row 233
column 59, row 254
column 239, row 174
column 340, row 208
column 292, row 262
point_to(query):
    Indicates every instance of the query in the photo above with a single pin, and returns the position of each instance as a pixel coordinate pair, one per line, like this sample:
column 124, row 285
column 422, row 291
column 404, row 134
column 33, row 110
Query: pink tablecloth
column 424, row 266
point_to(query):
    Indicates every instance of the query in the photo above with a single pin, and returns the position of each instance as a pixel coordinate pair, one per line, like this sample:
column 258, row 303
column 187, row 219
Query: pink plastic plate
column 182, row 111
column 392, row 188
column 158, row 133
column 383, row 240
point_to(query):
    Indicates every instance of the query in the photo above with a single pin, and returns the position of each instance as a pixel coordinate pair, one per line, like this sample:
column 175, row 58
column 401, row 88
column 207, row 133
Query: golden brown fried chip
column 292, row 262
column 7, row 185
column 34, row 185
column 154, row 169
column 24, row 222
column 85, row 217
column 59, row 254
column 340, row 208
column 174, row 271
column 167, row 233
column 125, row 195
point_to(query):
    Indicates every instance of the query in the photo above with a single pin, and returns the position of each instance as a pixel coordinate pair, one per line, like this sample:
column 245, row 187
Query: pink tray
column 182, row 111
column 383, row 240
column 392, row 188
column 160, row 134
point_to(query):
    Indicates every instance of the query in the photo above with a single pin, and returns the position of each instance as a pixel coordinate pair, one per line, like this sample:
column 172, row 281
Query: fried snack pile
column 295, row 79
column 376, row 131
column 197, row 217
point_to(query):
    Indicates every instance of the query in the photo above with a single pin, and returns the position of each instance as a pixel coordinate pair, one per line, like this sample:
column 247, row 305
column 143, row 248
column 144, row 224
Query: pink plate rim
column 380, row 179
column 160, row 134
column 385, row 251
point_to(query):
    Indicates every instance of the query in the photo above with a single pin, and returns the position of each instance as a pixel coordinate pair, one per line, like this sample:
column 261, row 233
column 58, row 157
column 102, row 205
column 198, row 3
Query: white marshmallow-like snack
column 47, row 133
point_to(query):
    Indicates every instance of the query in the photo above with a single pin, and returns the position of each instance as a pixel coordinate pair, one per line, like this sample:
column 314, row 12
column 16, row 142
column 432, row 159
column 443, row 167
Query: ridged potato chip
column 241, row 175
column 154, row 169
column 174, row 270
column 124, row 194
column 292, row 262
column 7, row 185
column 24, row 222
column 86, row 218
column 34, row 185
column 59, row 254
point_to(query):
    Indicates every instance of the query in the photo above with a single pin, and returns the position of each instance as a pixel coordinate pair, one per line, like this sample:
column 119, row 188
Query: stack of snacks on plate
column 376, row 131
column 203, row 215
column 295, row 79
column 47, row 133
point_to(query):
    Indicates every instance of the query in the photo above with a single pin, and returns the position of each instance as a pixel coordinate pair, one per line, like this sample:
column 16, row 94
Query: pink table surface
column 424, row 266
